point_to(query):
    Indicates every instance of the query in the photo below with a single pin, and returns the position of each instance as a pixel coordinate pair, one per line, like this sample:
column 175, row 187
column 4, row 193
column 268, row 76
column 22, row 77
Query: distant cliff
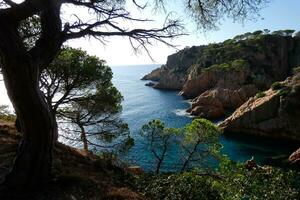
column 222, row 76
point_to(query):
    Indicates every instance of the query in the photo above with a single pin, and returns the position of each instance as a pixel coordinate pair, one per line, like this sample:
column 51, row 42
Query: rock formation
column 223, row 76
column 274, row 113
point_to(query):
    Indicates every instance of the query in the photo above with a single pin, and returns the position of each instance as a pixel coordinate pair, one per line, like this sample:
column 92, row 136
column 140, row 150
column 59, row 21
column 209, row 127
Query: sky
column 277, row 15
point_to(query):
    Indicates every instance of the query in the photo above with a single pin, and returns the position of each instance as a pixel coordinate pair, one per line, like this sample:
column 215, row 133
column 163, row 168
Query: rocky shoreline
column 255, row 75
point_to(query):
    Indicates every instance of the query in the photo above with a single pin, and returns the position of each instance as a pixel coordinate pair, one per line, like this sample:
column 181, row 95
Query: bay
column 142, row 104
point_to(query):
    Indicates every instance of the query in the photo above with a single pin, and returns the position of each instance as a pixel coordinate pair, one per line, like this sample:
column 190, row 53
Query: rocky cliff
column 173, row 74
column 273, row 113
column 223, row 76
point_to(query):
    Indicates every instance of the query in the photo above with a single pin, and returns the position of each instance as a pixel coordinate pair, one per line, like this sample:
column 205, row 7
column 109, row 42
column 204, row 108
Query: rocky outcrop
column 212, row 103
column 173, row 74
column 295, row 157
column 274, row 113
column 155, row 75
column 228, row 73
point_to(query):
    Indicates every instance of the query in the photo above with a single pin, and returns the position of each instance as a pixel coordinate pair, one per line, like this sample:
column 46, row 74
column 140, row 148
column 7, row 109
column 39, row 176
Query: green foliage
column 296, row 70
column 287, row 32
column 201, row 130
column 236, row 65
column 260, row 94
column 158, row 139
column 5, row 114
column 230, row 181
column 198, row 143
column 181, row 186
column 277, row 86
column 257, row 183
column 79, row 90
column 29, row 30
column 284, row 91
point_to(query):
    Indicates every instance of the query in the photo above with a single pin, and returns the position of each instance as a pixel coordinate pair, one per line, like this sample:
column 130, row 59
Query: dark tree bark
column 21, row 70
column 83, row 138
column 32, row 166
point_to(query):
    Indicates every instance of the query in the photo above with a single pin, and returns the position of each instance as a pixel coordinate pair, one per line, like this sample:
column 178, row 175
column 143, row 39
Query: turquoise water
column 142, row 104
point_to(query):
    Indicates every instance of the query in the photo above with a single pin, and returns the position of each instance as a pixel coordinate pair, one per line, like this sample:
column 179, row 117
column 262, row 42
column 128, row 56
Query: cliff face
column 274, row 113
column 173, row 74
column 228, row 73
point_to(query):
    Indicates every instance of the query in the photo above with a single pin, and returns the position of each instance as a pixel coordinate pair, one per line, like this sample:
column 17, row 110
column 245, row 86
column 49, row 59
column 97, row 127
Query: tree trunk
column 83, row 138
column 33, row 162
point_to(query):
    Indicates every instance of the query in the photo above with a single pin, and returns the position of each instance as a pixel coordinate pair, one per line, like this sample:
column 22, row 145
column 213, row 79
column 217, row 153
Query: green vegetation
column 277, row 86
column 5, row 114
column 79, row 92
column 296, row 70
column 260, row 95
column 227, row 180
column 197, row 142
column 236, row 65
column 284, row 91
column 230, row 181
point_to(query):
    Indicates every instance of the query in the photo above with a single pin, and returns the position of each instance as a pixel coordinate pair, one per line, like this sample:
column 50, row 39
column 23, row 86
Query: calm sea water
column 142, row 104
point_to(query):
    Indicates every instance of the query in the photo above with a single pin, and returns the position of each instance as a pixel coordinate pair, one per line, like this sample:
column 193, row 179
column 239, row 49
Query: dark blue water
column 142, row 104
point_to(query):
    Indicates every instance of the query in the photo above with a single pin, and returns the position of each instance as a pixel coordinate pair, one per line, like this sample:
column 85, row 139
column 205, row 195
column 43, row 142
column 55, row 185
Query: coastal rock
column 173, row 74
column 207, row 107
column 230, row 72
column 150, row 84
column 214, row 77
column 295, row 157
column 154, row 75
column 275, row 113
column 219, row 99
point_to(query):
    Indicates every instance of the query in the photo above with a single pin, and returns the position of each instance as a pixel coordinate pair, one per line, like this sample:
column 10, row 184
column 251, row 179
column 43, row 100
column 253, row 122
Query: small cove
column 142, row 104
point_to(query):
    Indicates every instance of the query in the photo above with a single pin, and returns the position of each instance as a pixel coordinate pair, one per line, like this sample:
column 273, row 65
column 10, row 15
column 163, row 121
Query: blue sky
column 278, row 14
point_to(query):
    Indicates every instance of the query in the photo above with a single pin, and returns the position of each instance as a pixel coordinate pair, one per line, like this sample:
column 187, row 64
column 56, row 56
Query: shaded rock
column 228, row 88
column 150, row 84
column 295, row 157
column 154, row 75
column 135, row 170
column 207, row 107
column 232, row 71
column 276, row 114
column 214, row 77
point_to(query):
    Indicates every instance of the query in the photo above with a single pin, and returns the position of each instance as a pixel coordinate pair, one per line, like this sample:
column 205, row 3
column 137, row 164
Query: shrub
column 277, row 86
column 296, row 70
column 229, row 181
column 5, row 114
column 260, row 95
column 285, row 91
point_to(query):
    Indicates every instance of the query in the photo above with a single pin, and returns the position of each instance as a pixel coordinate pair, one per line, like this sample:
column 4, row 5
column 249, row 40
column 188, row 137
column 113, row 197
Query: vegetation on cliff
column 272, row 113
column 229, row 72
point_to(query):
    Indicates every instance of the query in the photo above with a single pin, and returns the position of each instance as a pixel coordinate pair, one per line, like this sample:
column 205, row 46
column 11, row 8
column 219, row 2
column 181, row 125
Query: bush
column 231, row 181
column 5, row 114
column 277, row 86
column 181, row 186
column 285, row 91
column 296, row 70
column 260, row 95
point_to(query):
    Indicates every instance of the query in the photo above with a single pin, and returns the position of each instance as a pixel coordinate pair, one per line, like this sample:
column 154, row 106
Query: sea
column 142, row 104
